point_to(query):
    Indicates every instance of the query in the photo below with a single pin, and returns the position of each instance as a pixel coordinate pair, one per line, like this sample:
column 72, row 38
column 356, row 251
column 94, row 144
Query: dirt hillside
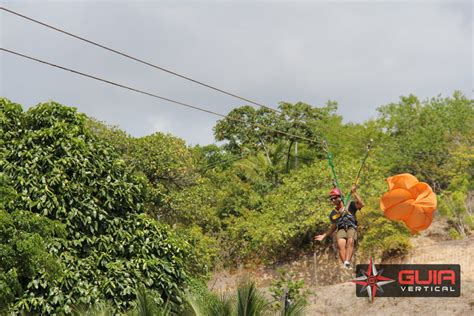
column 341, row 299
column 335, row 294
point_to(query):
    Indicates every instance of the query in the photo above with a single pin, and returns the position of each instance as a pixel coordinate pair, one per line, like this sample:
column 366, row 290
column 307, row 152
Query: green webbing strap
column 331, row 165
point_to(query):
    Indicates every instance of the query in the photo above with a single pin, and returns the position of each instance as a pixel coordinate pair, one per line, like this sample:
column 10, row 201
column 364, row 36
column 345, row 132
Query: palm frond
column 295, row 308
column 250, row 302
column 146, row 305
column 221, row 306
column 212, row 305
column 97, row 309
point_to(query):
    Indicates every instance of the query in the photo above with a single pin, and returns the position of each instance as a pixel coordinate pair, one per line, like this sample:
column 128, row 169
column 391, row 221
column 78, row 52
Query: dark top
column 347, row 218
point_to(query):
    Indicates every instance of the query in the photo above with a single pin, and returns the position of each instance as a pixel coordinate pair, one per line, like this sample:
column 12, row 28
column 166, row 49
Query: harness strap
column 331, row 165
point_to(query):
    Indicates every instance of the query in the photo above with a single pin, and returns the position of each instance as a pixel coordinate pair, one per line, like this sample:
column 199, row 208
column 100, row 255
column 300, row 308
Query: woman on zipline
column 344, row 221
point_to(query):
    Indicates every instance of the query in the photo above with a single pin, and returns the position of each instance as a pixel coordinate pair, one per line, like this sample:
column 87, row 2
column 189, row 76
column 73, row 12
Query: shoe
column 347, row 265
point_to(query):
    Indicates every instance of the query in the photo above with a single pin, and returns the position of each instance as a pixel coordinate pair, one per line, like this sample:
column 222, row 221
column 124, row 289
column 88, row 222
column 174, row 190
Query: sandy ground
column 334, row 294
column 340, row 298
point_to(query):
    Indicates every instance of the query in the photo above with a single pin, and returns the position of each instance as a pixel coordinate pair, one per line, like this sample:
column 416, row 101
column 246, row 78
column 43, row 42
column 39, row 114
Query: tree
column 421, row 135
column 23, row 253
column 60, row 170
column 244, row 126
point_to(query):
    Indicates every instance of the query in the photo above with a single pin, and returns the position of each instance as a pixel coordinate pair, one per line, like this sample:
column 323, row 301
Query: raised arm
column 359, row 203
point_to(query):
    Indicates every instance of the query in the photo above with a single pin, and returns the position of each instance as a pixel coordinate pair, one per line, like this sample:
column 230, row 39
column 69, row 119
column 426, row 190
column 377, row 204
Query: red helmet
column 335, row 192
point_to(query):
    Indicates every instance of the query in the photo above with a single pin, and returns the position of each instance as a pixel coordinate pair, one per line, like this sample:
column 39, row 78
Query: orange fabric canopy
column 410, row 201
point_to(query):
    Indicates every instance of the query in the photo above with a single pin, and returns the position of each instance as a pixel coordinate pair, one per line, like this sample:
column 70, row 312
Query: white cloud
column 159, row 124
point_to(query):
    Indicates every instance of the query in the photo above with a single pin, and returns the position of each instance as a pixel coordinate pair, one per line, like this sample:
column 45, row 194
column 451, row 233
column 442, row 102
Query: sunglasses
column 334, row 198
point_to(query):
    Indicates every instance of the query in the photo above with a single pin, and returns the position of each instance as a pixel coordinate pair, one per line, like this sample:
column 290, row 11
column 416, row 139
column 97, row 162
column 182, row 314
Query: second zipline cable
column 158, row 96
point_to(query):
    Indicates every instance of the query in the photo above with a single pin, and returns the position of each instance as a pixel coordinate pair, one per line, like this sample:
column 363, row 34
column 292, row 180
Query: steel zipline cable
column 139, row 60
column 263, row 127
column 175, row 102
column 323, row 144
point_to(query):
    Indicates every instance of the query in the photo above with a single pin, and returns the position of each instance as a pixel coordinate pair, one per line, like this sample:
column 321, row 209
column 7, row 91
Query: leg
column 341, row 244
column 351, row 238
column 349, row 249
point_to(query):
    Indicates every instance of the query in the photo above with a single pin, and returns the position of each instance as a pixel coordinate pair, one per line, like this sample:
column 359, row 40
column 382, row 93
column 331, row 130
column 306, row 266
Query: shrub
column 62, row 171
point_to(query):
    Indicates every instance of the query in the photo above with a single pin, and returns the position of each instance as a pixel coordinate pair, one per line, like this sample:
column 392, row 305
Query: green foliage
column 250, row 301
column 202, row 302
column 454, row 234
column 236, row 198
column 382, row 238
column 454, row 201
column 454, row 205
column 243, row 127
column 163, row 159
column 220, row 305
column 23, row 253
column 292, row 213
column 259, row 197
column 192, row 205
column 295, row 308
column 97, row 309
column 59, row 169
column 62, row 171
column 421, row 135
column 247, row 300
column 11, row 120
column 206, row 250
column 7, row 193
column 243, row 130
column 113, row 135
column 167, row 170
column 291, row 290
column 213, row 157
column 147, row 304
column 433, row 140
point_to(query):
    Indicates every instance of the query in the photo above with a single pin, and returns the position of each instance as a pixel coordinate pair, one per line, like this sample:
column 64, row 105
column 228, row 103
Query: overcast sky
column 360, row 54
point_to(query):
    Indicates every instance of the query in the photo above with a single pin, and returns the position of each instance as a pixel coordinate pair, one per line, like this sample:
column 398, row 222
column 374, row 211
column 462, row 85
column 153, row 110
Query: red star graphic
column 372, row 280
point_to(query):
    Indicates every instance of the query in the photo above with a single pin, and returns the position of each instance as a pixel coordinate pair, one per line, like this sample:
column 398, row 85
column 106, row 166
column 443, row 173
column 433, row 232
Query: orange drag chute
column 410, row 201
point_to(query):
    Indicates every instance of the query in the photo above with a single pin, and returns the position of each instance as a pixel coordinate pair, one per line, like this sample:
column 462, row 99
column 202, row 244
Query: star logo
column 372, row 280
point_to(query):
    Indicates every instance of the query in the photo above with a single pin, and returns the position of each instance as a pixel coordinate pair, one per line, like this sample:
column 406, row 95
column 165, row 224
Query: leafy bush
column 382, row 238
column 23, row 253
column 454, row 234
column 202, row 302
column 99, row 183
column 454, row 201
column 286, row 290
column 283, row 223
column 246, row 300
column 62, row 171
column 206, row 249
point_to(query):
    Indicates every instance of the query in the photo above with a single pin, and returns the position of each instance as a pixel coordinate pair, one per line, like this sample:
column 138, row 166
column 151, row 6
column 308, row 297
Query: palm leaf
column 250, row 302
column 295, row 308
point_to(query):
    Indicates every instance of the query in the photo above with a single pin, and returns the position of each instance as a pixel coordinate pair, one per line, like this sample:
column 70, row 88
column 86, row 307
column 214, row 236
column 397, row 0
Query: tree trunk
column 288, row 156
column 296, row 155
column 266, row 152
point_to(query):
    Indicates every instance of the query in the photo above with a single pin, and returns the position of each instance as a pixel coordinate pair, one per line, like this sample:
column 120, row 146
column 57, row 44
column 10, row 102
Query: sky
column 362, row 54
